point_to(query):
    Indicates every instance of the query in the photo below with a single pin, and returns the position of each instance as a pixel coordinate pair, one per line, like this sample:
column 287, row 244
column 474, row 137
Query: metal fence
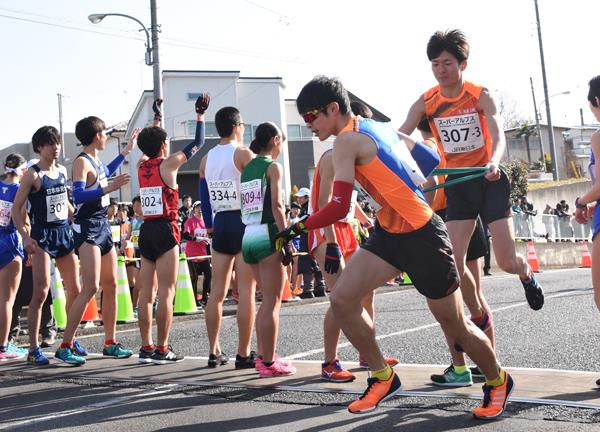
column 547, row 227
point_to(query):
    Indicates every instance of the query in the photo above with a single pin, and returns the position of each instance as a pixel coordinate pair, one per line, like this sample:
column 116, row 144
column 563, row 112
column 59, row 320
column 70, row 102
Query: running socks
column 498, row 381
column 460, row 369
column 149, row 347
column 162, row 348
column 529, row 274
column 66, row 345
column 383, row 374
column 109, row 342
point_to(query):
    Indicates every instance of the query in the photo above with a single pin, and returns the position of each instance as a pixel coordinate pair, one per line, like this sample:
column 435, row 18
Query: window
column 210, row 130
column 299, row 132
column 193, row 96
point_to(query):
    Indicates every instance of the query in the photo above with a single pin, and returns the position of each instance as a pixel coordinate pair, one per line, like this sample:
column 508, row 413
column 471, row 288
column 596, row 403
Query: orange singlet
column 459, row 126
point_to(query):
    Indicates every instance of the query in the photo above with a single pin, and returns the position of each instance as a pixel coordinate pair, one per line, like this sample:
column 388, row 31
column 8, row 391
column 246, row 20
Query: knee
column 340, row 305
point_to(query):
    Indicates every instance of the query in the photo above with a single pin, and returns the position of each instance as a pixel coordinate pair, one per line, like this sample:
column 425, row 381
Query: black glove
column 288, row 254
column 156, row 108
column 283, row 237
column 333, row 256
column 202, row 103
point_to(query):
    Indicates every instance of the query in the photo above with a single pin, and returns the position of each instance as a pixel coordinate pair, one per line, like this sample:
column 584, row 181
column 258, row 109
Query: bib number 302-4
column 151, row 198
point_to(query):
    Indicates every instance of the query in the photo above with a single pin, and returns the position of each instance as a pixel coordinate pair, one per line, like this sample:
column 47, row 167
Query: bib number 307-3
column 56, row 207
column 151, row 198
column 461, row 133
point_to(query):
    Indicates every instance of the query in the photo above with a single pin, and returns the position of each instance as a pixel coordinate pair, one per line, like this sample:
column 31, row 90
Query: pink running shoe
column 6, row 355
column 259, row 365
column 278, row 368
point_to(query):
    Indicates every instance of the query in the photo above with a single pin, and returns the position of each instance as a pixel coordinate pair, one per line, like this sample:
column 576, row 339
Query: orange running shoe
column 376, row 392
column 494, row 399
column 334, row 372
column 390, row 361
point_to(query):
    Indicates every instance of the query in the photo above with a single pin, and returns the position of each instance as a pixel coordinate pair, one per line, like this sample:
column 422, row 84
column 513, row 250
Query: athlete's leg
column 363, row 274
column 222, row 267
column 10, row 275
column 89, row 256
column 68, row 266
column 148, row 284
column 448, row 311
column 108, row 282
column 504, row 248
column 40, row 262
column 460, row 232
column 166, row 270
column 474, row 267
column 272, row 279
column 246, row 310
column 596, row 272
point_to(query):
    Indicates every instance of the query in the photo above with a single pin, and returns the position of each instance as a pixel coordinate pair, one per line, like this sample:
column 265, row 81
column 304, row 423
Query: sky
column 377, row 49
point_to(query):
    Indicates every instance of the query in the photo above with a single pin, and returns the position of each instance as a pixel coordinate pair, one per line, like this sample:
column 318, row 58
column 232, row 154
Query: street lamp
column 151, row 45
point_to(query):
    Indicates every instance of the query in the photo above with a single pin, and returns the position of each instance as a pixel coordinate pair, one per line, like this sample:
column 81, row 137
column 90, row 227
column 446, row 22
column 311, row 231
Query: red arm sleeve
column 335, row 209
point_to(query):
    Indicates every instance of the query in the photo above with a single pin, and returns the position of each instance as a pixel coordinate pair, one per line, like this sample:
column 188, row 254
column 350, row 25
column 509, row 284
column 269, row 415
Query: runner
column 93, row 238
column 408, row 236
column 11, row 252
column 263, row 213
column 160, row 235
column 45, row 186
column 220, row 172
column 466, row 124
column 588, row 205
column 458, row 373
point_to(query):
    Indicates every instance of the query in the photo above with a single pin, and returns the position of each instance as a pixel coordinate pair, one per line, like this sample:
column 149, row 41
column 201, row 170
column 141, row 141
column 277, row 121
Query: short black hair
column 151, row 139
column 14, row 160
column 453, row 41
column 361, row 109
column 136, row 199
column 183, row 198
column 87, row 128
column 114, row 202
column 319, row 92
column 263, row 135
column 226, row 119
column 594, row 91
column 46, row 135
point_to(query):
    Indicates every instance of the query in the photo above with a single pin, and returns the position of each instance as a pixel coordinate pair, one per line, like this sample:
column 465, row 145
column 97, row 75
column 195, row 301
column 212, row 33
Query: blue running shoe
column 533, row 292
column 68, row 356
column 37, row 358
column 79, row 349
column 116, row 350
column 20, row 352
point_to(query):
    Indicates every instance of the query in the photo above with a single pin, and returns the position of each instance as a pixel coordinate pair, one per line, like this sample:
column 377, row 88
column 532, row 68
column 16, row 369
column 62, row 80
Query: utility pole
column 154, row 29
column 60, row 125
column 555, row 176
column 537, row 124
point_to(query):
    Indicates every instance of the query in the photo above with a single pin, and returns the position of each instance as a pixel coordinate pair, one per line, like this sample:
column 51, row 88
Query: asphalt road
column 563, row 335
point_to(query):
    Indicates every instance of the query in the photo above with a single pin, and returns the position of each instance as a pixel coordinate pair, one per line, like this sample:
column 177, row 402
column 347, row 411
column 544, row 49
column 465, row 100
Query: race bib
column 252, row 197
column 135, row 236
column 461, row 133
column 115, row 231
column 56, row 207
column 151, row 198
column 223, row 195
column 350, row 214
column 374, row 204
column 5, row 208
column 105, row 201
column 200, row 233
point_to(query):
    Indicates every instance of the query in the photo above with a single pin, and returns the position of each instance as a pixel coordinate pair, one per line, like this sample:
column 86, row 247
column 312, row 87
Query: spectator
column 185, row 210
column 564, row 221
column 194, row 231
column 528, row 215
column 518, row 218
column 550, row 222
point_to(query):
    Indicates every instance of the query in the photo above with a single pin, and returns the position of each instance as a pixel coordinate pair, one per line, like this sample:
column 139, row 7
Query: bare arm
column 242, row 157
column 415, row 114
column 326, row 174
column 19, row 215
column 488, row 105
column 275, row 173
column 593, row 194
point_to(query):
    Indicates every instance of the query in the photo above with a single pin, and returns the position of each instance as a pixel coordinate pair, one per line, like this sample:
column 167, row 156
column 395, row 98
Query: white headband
column 18, row 170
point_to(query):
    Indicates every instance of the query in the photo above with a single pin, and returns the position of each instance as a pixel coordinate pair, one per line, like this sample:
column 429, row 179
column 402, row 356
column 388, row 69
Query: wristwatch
column 579, row 206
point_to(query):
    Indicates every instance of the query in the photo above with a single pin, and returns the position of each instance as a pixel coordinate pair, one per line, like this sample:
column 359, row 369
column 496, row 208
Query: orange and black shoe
column 390, row 361
column 494, row 399
column 334, row 372
column 376, row 392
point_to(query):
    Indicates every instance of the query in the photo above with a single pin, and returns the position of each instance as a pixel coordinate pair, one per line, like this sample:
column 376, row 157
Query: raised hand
column 202, row 103
column 132, row 140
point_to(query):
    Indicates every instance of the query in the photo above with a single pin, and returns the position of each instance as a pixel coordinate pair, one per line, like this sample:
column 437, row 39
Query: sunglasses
column 310, row 116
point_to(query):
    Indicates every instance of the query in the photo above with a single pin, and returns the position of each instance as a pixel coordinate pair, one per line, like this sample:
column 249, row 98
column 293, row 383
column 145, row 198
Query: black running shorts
column 157, row 236
column 95, row 232
column 478, row 197
column 425, row 254
column 228, row 232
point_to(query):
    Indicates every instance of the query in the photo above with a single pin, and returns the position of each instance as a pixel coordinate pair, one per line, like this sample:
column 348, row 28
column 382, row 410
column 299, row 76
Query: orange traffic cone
column 286, row 295
column 91, row 311
column 586, row 258
column 532, row 259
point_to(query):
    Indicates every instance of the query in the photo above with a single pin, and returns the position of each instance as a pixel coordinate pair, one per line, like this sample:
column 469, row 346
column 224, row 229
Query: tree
column 525, row 131
column 507, row 108
column 517, row 173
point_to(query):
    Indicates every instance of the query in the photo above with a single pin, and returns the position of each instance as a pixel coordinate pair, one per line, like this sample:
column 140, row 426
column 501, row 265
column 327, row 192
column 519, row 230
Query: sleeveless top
column 98, row 208
column 223, row 178
column 390, row 182
column 49, row 205
column 592, row 167
column 7, row 197
column 255, row 192
column 159, row 201
column 459, row 126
